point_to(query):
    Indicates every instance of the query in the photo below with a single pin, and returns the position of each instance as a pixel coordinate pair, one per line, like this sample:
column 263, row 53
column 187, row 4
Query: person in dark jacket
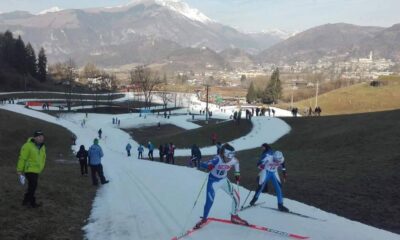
column 82, row 156
column 196, row 156
column 100, row 132
column 95, row 154
column 161, row 152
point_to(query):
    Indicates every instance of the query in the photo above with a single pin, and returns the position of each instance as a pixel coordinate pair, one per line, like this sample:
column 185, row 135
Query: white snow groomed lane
column 149, row 200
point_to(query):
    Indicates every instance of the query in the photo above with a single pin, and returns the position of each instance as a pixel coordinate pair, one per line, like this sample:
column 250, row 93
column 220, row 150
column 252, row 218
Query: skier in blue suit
column 268, row 164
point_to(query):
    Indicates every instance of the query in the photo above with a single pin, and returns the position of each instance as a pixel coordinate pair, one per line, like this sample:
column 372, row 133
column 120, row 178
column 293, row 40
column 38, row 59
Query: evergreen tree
column 42, row 66
column 251, row 93
column 31, row 63
column 273, row 91
column 20, row 62
column 7, row 48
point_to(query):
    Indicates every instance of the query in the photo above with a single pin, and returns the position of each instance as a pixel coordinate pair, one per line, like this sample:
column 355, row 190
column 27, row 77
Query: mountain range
column 172, row 33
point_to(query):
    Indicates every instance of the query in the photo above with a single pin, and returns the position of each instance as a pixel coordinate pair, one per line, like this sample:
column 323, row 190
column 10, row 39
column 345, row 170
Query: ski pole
column 246, row 199
column 194, row 205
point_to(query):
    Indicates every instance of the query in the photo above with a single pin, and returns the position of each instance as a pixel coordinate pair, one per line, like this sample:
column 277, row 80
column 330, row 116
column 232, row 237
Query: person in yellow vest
column 30, row 164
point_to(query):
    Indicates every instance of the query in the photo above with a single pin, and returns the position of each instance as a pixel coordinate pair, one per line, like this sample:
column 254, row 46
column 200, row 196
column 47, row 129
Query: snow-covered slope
column 150, row 200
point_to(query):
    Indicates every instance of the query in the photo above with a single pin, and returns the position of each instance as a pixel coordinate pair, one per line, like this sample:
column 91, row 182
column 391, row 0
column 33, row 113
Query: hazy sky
column 257, row 15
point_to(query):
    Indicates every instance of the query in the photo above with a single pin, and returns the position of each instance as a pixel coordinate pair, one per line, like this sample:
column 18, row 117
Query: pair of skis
column 275, row 209
column 253, row 226
column 295, row 213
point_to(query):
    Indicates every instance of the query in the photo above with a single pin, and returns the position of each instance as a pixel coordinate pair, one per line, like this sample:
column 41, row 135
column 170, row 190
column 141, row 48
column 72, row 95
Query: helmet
column 228, row 150
column 229, row 154
column 278, row 156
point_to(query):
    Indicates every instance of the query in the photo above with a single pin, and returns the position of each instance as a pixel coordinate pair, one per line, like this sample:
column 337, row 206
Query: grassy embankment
column 358, row 98
column 65, row 194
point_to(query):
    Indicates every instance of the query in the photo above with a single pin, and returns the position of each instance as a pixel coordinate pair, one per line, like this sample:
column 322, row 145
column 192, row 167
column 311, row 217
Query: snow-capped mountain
column 184, row 9
column 50, row 10
column 142, row 31
column 283, row 34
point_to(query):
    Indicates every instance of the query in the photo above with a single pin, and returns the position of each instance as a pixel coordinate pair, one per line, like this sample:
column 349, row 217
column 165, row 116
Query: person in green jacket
column 31, row 162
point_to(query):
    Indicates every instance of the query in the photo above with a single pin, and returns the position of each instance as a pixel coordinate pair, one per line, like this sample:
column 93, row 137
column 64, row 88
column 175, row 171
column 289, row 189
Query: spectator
column 318, row 111
column 213, row 138
column 128, row 149
column 166, row 153
column 73, row 139
column 273, row 112
column 140, row 151
column 150, row 146
column 31, row 162
column 161, row 152
column 171, row 152
column 95, row 154
column 196, row 156
column 100, row 132
column 82, row 156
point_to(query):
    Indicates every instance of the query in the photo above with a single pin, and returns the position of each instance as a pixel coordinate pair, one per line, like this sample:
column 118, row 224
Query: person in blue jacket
column 150, row 146
column 128, row 149
column 95, row 154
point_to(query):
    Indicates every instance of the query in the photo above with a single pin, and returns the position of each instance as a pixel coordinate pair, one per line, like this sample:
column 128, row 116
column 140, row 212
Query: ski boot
column 253, row 201
column 282, row 208
column 237, row 220
column 200, row 223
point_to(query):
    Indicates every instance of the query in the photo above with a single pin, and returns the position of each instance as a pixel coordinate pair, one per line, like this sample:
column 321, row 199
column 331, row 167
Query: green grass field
column 358, row 98
column 65, row 194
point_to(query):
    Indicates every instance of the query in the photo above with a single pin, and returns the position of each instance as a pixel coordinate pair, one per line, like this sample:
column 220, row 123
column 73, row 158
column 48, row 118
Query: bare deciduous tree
column 146, row 80
column 165, row 97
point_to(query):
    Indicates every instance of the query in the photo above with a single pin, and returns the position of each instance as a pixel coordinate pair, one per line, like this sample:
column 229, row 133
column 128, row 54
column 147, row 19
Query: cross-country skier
column 270, row 163
column 217, row 178
column 267, row 150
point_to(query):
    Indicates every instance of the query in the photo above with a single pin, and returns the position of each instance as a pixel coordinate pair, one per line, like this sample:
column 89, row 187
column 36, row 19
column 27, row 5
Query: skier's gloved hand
column 210, row 167
column 261, row 167
column 21, row 179
column 237, row 177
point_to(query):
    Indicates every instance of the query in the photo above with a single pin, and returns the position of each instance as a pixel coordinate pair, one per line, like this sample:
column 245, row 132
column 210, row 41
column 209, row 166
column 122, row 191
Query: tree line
column 271, row 94
column 21, row 57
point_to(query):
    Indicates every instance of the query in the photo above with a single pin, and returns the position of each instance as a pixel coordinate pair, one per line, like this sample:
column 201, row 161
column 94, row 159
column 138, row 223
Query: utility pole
column 316, row 93
column 207, row 103
column 291, row 100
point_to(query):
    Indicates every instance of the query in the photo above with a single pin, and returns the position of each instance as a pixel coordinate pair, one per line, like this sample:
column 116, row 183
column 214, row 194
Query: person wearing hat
column 95, row 154
column 31, row 162
column 268, row 164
